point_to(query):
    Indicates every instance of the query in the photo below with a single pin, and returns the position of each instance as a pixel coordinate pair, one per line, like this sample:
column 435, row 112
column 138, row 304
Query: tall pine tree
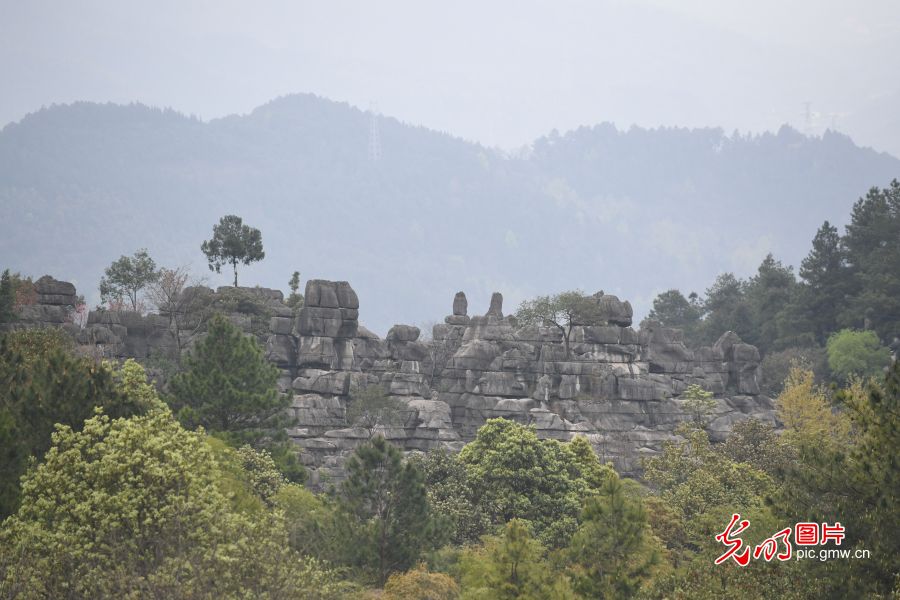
column 228, row 386
column 386, row 518
column 872, row 245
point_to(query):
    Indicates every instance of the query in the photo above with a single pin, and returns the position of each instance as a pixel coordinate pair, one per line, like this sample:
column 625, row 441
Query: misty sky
column 501, row 73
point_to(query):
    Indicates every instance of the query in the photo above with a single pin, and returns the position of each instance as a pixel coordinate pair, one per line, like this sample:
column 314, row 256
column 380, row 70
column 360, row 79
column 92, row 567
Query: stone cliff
column 620, row 387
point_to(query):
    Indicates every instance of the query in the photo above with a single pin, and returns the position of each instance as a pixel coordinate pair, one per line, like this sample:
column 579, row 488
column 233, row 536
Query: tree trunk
column 234, row 264
column 566, row 335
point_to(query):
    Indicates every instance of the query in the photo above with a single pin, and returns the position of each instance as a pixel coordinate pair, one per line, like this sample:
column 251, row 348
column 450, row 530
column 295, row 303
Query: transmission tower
column 808, row 117
column 374, row 136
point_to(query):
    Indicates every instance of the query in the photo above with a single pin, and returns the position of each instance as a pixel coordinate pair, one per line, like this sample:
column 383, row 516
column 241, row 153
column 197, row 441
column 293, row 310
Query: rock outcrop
column 619, row 386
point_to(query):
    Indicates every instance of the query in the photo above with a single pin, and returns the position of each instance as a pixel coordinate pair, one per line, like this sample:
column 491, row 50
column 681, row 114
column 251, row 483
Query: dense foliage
column 43, row 384
column 847, row 297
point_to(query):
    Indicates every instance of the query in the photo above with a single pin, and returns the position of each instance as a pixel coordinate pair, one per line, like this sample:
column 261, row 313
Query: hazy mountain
column 630, row 212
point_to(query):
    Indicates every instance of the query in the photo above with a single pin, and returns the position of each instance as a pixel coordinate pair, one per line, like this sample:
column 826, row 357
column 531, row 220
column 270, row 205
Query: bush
column 419, row 584
column 858, row 353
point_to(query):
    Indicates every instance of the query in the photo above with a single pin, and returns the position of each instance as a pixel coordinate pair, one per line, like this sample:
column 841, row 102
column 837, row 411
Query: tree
column 384, row 508
column 295, row 300
column 451, row 495
column 134, row 508
column 872, row 250
column 672, row 309
column 727, row 309
column 7, row 297
column 511, row 567
column 43, row 384
column 758, row 444
column 699, row 404
column 856, row 353
column 825, row 282
column 232, row 243
column 613, row 551
column 806, row 413
column 768, row 294
column 371, row 408
column 180, row 300
column 229, row 388
column 852, row 478
column 228, row 385
column 563, row 311
column 126, row 277
column 514, row 475
column 775, row 367
column 702, row 484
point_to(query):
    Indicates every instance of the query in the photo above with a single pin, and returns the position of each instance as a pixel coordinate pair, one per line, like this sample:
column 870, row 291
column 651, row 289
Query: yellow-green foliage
column 419, row 584
column 511, row 566
column 701, row 484
column 34, row 345
column 133, row 508
column 131, row 379
column 310, row 521
column 806, row 413
column 515, row 475
column 699, row 403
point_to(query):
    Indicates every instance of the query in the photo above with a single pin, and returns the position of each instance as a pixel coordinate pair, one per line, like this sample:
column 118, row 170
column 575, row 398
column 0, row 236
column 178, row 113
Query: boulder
column 613, row 310
column 403, row 333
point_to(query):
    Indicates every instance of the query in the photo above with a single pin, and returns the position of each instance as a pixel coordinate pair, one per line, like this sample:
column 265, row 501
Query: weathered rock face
column 619, row 386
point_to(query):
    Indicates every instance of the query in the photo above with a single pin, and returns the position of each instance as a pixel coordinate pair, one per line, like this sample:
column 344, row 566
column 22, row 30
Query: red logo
column 805, row 534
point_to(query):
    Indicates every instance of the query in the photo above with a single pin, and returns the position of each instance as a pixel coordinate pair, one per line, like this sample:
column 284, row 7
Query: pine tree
column 872, row 244
column 388, row 523
column 727, row 309
column 613, row 550
column 768, row 294
column 229, row 386
column 672, row 309
column 232, row 243
column 511, row 566
column 825, row 282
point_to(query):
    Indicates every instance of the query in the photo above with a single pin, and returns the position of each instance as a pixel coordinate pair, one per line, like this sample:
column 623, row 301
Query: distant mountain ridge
column 631, row 212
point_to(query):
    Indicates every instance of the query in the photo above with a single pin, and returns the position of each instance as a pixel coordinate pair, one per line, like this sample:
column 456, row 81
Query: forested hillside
column 597, row 208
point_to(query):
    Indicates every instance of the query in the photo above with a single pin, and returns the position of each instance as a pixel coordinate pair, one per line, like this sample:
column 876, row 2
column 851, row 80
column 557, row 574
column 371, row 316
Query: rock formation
column 619, row 386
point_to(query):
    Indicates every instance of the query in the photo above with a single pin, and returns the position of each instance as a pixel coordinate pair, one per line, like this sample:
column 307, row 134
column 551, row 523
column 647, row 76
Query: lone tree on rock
column 232, row 243
column 563, row 311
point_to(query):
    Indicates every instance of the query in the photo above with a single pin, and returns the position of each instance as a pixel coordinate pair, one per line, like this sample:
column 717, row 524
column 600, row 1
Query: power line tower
column 374, row 135
column 808, row 118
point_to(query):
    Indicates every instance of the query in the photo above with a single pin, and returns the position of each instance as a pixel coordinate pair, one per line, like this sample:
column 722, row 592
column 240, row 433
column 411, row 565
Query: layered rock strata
column 619, row 386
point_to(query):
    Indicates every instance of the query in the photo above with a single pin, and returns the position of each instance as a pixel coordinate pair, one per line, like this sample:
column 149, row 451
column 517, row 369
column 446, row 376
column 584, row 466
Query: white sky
column 501, row 73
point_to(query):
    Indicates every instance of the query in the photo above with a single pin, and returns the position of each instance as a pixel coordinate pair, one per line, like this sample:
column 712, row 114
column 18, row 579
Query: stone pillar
column 496, row 309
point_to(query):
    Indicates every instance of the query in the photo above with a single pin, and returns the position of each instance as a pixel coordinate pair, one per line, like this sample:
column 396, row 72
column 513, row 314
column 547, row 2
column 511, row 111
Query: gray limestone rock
column 403, row 333
column 618, row 386
column 496, row 308
column 460, row 305
column 281, row 325
column 614, row 311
